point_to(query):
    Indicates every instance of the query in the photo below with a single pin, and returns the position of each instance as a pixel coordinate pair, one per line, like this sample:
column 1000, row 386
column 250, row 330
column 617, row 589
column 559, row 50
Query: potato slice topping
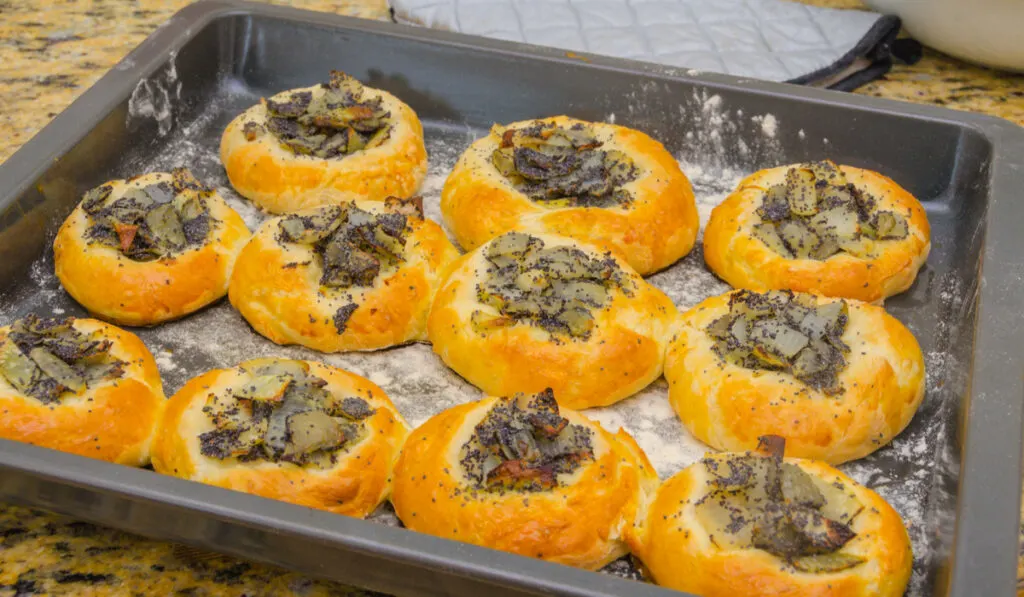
column 282, row 412
column 152, row 222
column 783, row 331
column 816, row 214
column 755, row 500
column 338, row 121
column 524, row 444
column 49, row 359
column 555, row 288
column 558, row 166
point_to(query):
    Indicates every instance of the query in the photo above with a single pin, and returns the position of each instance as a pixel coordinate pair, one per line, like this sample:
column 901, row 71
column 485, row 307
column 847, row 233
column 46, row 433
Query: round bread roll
column 821, row 228
column 296, row 431
column 837, row 378
column 520, row 475
column 357, row 276
column 746, row 524
column 362, row 142
column 599, row 183
column 526, row 312
column 79, row 386
column 149, row 249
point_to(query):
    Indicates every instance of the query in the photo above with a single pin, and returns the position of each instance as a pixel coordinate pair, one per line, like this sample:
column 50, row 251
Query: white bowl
column 989, row 32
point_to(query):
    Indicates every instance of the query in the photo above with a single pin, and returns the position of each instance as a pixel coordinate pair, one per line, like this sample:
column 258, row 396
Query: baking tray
column 954, row 474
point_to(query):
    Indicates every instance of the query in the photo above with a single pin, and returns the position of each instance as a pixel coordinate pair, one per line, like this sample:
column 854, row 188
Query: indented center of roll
column 817, row 213
column 281, row 412
column 524, row 444
column 48, row 358
column 785, row 331
column 554, row 288
column 757, row 500
column 151, row 222
column 558, row 166
column 335, row 119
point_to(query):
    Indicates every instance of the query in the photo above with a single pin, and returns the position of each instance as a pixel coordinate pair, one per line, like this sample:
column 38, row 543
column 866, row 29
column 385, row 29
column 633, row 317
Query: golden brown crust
column 581, row 523
column 355, row 486
column 624, row 353
column 276, row 287
column 139, row 293
column 728, row 407
column 113, row 421
column 745, row 262
column 278, row 180
column 657, row 229
column 676, row 548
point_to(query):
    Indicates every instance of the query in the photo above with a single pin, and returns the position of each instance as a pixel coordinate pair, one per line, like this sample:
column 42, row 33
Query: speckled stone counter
column 50, row 52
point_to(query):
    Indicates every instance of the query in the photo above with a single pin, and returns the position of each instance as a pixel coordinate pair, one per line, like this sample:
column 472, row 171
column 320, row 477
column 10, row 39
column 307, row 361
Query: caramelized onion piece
column 313, row 228
column 57, row 369
column 266, row 388
column 769, row 235
column 312, row 430
column 803, row 199
column 827, row 562
column 18, row 368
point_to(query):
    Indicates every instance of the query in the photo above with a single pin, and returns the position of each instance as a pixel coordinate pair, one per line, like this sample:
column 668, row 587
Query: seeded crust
column 112, row 420
column 676, row 548
column 276, row 287
column 141, row 293
column 658, row 227
column 732, row 252
column 580, row 523
column 280, row 181
column 622, row 354
column 728, row 406
column 355, row 486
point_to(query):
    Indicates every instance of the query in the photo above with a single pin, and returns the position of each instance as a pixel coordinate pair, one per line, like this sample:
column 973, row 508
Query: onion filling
column 816, row 214
column 283, row 413
column 524, row 444
column 559, row 166
column 554, row 288
column 353, row 246
column 153, row 222
column 758, row 501
column 783, row 331
column 337, row 121
column 48, row 359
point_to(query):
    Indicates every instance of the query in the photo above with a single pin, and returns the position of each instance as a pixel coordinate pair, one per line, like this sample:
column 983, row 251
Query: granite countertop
column 54, row 50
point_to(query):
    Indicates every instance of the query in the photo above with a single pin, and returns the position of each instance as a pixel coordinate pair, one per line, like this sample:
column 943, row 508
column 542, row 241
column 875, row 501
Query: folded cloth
column 776, row 40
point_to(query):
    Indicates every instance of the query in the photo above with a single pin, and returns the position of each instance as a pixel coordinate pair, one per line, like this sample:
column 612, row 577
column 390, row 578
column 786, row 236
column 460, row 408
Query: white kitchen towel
column 776, row 40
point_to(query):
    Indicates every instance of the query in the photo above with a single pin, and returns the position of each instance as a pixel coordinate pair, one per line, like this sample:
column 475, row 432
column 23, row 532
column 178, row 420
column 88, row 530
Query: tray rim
column 987, row 497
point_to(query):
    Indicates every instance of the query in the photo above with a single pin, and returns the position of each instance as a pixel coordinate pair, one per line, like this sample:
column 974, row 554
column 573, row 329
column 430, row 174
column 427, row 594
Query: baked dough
column 557, row 313
column 361, row 276
column 79, row 386
column 519, row 475
column 872, row 263
column 297, row 431
column 278, row 175
column 728, row 405
column 698, row 535
column 149, row 249
column 649, row 218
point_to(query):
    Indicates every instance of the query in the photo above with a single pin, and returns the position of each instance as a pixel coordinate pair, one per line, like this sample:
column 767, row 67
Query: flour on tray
column 714, row 158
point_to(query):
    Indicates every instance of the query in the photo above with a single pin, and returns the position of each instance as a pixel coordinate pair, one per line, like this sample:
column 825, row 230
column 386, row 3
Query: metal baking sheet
column 953, row 474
